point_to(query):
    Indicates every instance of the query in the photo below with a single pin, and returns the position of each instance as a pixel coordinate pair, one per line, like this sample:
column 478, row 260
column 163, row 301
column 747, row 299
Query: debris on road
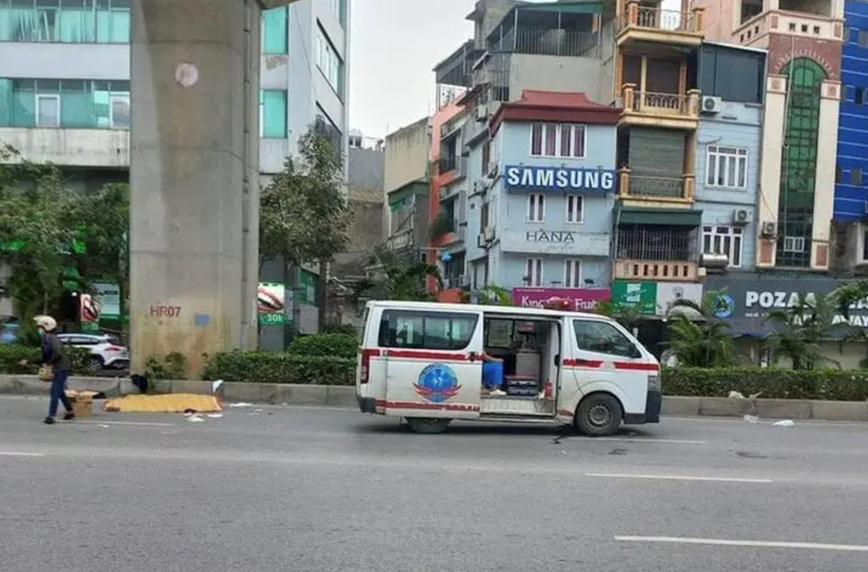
column 751, row 418
column 195, row 419
column 215, row 416
column 242, row 404
column 166, row 403
column 784, row 423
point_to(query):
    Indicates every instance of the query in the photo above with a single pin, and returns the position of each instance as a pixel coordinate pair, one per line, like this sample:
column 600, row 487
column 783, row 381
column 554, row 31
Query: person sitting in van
column 492, row 375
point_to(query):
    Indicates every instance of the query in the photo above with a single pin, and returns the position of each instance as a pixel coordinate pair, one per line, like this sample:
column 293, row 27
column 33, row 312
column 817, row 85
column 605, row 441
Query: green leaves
column 800, row 329
column 398, row 276
column 303, row 211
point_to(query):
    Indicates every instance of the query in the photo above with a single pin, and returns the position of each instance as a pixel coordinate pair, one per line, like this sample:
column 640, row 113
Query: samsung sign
column 559, row 179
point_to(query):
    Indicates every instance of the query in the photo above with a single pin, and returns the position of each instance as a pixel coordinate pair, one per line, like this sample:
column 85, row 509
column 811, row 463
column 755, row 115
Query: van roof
column 511, row 310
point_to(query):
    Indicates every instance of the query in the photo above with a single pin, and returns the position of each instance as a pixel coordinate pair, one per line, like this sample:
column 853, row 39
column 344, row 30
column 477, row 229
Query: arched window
column 799, row 162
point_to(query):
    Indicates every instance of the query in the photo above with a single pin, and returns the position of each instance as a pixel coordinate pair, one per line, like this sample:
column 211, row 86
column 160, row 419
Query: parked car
column 106, row 351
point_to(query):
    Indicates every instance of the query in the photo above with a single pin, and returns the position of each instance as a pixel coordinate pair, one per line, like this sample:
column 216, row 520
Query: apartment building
column 65, row 71
column 851, row 197
column 804, row 41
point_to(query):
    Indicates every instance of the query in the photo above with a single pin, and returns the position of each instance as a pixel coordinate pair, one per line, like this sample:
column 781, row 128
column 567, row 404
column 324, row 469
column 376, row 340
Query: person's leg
column 64, row 375
column 57, row 385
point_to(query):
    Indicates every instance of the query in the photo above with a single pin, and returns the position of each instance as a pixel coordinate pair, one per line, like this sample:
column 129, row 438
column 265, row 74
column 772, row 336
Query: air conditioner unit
column 488, row 233
column 482, row 112
column 740, row 216
column 711, row 104
column 492, row 170
column 768, row 229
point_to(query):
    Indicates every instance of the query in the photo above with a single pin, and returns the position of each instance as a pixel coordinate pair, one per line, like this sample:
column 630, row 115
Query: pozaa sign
column 760, row 302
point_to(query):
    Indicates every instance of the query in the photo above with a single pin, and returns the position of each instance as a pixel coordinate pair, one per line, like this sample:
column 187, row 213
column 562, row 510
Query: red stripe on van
column 636, row 366
column 565, row 413
column 426, row 355
column 582, row 363
column 426, row 406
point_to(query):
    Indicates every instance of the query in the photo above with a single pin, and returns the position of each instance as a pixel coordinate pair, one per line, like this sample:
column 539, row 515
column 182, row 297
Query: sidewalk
column 345, row 396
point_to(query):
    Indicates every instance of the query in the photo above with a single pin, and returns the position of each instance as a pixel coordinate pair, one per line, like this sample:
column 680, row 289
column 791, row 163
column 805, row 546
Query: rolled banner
column 268, row 300
column 90, row 308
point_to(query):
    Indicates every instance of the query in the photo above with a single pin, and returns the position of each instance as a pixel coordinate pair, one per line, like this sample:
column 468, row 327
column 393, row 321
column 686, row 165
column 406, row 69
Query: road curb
column 345, row 396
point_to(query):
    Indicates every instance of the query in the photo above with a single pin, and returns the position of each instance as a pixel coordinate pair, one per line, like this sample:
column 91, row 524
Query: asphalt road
column 299, row 489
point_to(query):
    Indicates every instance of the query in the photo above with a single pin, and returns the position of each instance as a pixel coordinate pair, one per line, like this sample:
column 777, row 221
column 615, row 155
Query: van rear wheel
column 599, row 415
column 427, row 425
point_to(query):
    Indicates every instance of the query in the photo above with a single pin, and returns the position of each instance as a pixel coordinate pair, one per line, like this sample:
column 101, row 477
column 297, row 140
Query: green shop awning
column 665, row 217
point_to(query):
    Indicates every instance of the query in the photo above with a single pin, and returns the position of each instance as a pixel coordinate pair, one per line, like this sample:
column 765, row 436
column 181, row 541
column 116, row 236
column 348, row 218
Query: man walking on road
column 54, row 357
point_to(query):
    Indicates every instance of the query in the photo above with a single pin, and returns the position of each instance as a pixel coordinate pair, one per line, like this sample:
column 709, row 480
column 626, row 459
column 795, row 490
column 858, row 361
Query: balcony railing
column 676, row 189
column 660, row 19
column 658, row 103
column 449, row 163
column 548, row 42
column 658, row 271
column 656, row 243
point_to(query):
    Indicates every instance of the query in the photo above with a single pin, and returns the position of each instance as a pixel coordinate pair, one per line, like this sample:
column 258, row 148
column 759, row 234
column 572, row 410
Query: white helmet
column 47, row 323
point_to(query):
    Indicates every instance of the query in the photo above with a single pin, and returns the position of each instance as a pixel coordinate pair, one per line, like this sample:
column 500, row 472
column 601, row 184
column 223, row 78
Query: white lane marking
column 744, row 543
column 645, row 440
column 14, row 454
column 132, row 423
column 678, row 478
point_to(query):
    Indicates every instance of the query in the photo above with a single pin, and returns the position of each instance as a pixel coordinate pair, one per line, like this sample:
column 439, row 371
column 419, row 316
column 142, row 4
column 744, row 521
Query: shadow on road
column 558, row 433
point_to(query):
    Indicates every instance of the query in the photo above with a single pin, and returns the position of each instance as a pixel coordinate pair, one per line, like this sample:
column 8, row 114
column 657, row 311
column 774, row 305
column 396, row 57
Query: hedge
column 326, row 345
column 774, row 383
column 11, row 356
column 279, row 367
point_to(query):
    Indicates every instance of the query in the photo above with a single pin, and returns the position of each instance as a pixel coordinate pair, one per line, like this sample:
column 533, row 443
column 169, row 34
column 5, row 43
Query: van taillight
column 366, row 365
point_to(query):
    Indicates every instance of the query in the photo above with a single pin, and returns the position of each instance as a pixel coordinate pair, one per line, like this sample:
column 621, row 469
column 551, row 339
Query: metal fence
column 642, row 186
column 656, row 243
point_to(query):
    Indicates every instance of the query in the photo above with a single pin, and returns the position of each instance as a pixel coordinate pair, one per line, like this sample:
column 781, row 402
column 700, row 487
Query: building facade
column 803, row 91
column 851, row 196
column 729, row 154
column 65, row 71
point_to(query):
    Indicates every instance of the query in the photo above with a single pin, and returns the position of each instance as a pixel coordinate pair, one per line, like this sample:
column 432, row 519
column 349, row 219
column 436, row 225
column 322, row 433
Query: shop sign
column 271, row 304
column 654, row 298
column 555, row 236
column 580, row 299
column 559, row 179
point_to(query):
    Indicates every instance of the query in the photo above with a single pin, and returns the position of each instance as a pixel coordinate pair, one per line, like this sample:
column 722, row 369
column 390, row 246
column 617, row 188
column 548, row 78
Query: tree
column 799, row 330
column 696, row 338
column 303, row 211
column 39, row 227
column 625, row 314
column 844, row 297
column 490, row 295
column 397, row 276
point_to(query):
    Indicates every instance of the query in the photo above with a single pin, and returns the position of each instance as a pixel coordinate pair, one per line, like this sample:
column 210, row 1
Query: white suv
column 106, row 351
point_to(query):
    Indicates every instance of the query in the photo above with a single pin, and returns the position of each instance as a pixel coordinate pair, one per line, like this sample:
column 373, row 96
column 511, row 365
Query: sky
column 394, row 46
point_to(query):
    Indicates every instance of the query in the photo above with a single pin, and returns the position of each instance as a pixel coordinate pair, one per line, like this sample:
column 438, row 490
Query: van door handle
column 472, row 356
column 558, row 360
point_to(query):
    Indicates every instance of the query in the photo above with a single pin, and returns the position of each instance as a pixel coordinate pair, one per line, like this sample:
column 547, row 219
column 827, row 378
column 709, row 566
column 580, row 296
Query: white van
column 424, row 362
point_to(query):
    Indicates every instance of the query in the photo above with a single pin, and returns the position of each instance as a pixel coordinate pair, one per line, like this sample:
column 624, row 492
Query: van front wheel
column 427, row 425
column 599, row 414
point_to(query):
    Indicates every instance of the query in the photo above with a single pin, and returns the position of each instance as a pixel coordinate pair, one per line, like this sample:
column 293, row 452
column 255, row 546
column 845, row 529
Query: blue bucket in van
column 492, row 374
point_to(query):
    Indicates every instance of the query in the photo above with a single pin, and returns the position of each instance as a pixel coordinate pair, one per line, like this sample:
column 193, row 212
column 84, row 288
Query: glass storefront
column 65, row 103
column 65, row 21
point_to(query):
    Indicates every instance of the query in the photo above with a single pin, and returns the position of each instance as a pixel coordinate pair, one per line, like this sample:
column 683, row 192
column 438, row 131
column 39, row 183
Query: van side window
column 604, row 338
column 426, row 330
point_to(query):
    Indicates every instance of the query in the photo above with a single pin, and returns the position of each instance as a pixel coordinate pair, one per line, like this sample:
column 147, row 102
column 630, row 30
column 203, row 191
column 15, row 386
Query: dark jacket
column 53, row 353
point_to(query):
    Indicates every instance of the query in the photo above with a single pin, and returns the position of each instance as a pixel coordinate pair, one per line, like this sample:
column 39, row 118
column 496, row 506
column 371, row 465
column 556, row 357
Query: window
column 726, row 167
column 604, row 338
column 329, row 63
column 863, row 38
column 486, row 157
column 732, row 74
column 48, row 111
column 859, row 96
column 865, row 245
column 69, row 21
column 275, row 26
column 536, row 208
column 573, row 273
column 272, row 114
column 575, row 213
column 723, row 240
column 120, row 111
column 533, row 272
column 426, row 330
column 557, row 140
column 794, row 244
column 339, row 7
column 856, row 177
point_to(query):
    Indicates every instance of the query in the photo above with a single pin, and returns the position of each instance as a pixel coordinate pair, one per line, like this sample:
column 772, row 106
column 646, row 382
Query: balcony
column 108, row 148
column 658, row 271
column 653, row 109
column 652, row 24
column 656, row 252
column 655, row 189
column 756, row 31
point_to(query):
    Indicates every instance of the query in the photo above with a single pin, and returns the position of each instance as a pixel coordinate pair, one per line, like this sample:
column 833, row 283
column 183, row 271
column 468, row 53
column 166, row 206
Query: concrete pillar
column 775, row 114
column 824, row 188
column 194, row 177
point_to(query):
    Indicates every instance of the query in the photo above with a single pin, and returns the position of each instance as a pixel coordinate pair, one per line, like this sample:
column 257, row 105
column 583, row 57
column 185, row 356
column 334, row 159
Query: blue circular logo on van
column 437, row 383
column 724, row 306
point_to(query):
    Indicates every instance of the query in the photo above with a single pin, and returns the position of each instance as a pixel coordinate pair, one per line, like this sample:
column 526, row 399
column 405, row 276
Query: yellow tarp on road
column 167, row 403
